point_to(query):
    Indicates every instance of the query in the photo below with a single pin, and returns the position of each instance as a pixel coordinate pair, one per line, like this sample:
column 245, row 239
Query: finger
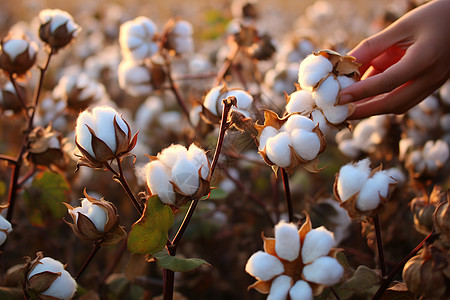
column 398, row 101
column 387, row 58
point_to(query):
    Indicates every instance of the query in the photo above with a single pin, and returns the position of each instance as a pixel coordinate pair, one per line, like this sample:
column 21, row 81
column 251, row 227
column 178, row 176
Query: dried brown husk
column 40, row 152
column 21, row 63
column 343, row 65
column 58, row 39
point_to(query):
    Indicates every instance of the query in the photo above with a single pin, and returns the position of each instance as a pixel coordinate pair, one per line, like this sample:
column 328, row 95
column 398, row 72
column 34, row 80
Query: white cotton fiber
column 301, row 290
column 300, row 101
column 437, row 151
column 326, row 93
column 324, row 270
column 287, row 241
column 280, row 288
column 298, row 121
column 267, row 132
column 351, row 179
column 15, row 47
column 349, row 148
column 198, row 157
column 396, row 176
column 169, row 156
column 305, row 143
column 264, row 266
column 211, row 99
column 84, row 137
column 373, row 188
column 318, row 242
column 104, row 120
column 185, row 176
column 278, row 149
column 244, row 99
column 318, row 118
column 312, row 69
column 158, row 181
column 336, row 114
column 345, row 81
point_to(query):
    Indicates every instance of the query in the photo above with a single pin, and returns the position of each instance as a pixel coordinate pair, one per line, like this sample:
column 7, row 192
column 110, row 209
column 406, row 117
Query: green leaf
column 216, row 194
column 363, row 279
column 149, row 234
column 178, row 264
column 45, row 196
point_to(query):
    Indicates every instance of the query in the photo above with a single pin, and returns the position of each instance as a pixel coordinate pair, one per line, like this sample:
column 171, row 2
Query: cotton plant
column 428, row 160
column 179, row 37
column 17, row 54
column 425, row 115
column 298, row 263
column 361, row 190
column 45, row 277
column 57, row 28
column 290, row 141
column 321, row 76
column 178, row 174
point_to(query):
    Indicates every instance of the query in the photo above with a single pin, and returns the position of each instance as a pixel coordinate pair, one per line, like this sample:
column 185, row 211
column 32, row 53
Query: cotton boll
column 170, row 155
column 83, row 134
column 375, row 187
column 134, row 78
column 312, row 69
column 396, row 176
column 318, row 118
column 158, row 181
column 264, row 266
column 280, row 288
column 300, row 101
column 266, row 133
column 324, row 270
column 351, row 179
column 104, row 119
column 301, row 290
column 326, row 93
column 95, row 213
column 349, row 148
column 244, row 99
column 287, row 241
column 305, row 143
column 211, row 99
column 436, row 152
column 278, row 149
column 185, row 176
column 336, row 114
column 345, row 81
column 318, row 242
column 198, row 157
column 298, row 121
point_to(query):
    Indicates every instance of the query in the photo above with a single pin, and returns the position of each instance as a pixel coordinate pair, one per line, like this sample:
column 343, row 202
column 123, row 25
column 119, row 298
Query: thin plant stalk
column 287, row 191
column 88, row 260
column 376, row 223
column 19, row 94
column 227, row 64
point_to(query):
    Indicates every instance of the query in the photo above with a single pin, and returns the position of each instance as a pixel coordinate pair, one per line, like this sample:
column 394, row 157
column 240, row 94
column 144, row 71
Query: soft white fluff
column 345, row 81
column 170, row 155
column 158, row 177
column 244, row 99
column 278, row 149
column 280, row 288
column 185, row 176
column 183, row 44
column 183, row 28
column 349, row 148
column 324, row 270
column 104, row 125
column 351, row 178
column 396, row 176
column 136, row 39
column 300, row 101
column 211, row 99
column 318, row 242
column 436, row 152
column 84, row 137
column 266, row 133
column 326, row 93
column 336, row 114
column 305, row 143
column 64, row 287
column 301, row 290
column 198, row 157
column 134, row 78
column 312, row 69
column 15, row 47
column 264, row 266
column 375, row 187
column 94, row 213
column 287, row 241
column 5, row 227
column 58, row 18
column 298, row 121
column 318, row 118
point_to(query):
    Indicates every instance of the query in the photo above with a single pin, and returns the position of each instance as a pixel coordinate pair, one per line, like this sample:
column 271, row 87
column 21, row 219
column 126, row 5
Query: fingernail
column 344, row 99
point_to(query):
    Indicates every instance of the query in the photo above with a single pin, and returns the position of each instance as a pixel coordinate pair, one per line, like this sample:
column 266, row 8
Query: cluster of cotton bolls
column 289, row 142
column 428, row 160
column 321, row 76
column 362, row 189
column 277, row 269
column 178, row 172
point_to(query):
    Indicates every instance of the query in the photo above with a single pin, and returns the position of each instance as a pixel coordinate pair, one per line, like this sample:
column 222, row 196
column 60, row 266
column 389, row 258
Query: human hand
column 402, row 64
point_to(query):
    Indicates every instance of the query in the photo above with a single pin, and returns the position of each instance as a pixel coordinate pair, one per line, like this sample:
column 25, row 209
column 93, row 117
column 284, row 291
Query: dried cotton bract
column 290, row 141
column 178, row 175
column 323, row 75
column 361, row 190
column 298, row 263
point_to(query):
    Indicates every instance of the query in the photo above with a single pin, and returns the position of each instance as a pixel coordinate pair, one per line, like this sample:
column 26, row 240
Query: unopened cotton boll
column 198, row 157
column 318, row 242
column 305, row 143
column 93, row 212
column 185, row 176
column 278, row 149
column 326, row 93
column 170, row 155
column 352, row 178
column 264, row 266
column 312, row 69
column 324, row 270
column 267, row 132
column 158, row 181
column 287, row 241
column 298, row 122
column 301, row 290
column 300, row 101
column 280, row 288
column 375, row 187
